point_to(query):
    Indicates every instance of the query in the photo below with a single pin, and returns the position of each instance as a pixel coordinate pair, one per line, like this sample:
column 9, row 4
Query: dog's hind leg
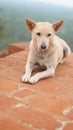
column 66, row 52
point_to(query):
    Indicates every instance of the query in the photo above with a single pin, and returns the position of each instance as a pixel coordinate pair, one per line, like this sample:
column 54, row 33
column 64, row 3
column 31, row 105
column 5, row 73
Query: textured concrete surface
column 46, row 105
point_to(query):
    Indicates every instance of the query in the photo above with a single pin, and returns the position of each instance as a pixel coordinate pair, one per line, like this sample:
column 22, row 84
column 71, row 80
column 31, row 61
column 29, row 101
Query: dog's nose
column 43, row 46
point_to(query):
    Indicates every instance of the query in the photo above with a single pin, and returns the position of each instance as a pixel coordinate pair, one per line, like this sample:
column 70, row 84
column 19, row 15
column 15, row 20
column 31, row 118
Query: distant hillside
column 13, row 15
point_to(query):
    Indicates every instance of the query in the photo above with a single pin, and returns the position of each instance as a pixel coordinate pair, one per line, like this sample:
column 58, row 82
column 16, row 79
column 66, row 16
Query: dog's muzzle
column 43, row 46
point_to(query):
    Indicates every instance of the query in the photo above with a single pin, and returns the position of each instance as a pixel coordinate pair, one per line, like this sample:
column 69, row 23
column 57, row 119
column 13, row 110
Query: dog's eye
column 39, row 34
column 49, row 34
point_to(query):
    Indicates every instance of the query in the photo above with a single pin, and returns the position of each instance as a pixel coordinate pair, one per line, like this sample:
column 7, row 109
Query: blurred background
column 14, row 12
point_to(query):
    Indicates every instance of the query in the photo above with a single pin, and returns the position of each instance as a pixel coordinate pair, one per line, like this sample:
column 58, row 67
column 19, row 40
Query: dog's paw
column 25, row 78
column 33, row 79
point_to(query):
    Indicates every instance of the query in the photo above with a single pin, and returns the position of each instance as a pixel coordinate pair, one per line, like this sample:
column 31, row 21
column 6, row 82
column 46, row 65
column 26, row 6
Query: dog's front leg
column 47, row 73
column 27, row 74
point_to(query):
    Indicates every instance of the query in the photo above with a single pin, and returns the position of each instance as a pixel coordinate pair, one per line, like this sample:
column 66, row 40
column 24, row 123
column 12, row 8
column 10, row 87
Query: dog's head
column 43, row 33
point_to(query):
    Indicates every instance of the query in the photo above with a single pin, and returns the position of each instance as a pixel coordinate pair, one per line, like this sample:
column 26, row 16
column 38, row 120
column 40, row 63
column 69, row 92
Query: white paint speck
column 19, row 105
column 67, row 110
column 63, row 123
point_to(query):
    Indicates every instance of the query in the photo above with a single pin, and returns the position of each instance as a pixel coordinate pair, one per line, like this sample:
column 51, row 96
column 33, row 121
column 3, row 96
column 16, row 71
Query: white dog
column 46, row 49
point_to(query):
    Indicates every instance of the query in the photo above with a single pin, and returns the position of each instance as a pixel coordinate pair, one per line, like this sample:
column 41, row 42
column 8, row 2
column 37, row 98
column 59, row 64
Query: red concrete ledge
column 13, row 48
column 46, row 105
column 16, row 47
column 4, row 53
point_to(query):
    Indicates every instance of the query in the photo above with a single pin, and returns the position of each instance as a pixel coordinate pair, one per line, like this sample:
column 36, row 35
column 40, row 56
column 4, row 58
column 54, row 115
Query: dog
column 46, row 49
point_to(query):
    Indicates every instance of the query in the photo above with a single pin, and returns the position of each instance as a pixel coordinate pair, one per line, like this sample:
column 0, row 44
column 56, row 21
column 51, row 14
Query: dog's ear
column 57, row 25
column 30, row 24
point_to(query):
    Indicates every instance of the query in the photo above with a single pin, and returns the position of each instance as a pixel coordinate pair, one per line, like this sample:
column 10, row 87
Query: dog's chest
column 41, row 61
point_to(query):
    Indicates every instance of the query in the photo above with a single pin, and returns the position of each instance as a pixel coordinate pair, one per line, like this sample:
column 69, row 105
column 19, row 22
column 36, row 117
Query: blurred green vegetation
column 2, row 27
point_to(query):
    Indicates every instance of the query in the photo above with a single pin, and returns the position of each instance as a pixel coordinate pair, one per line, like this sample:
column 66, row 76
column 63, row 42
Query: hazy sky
column 68, row 3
